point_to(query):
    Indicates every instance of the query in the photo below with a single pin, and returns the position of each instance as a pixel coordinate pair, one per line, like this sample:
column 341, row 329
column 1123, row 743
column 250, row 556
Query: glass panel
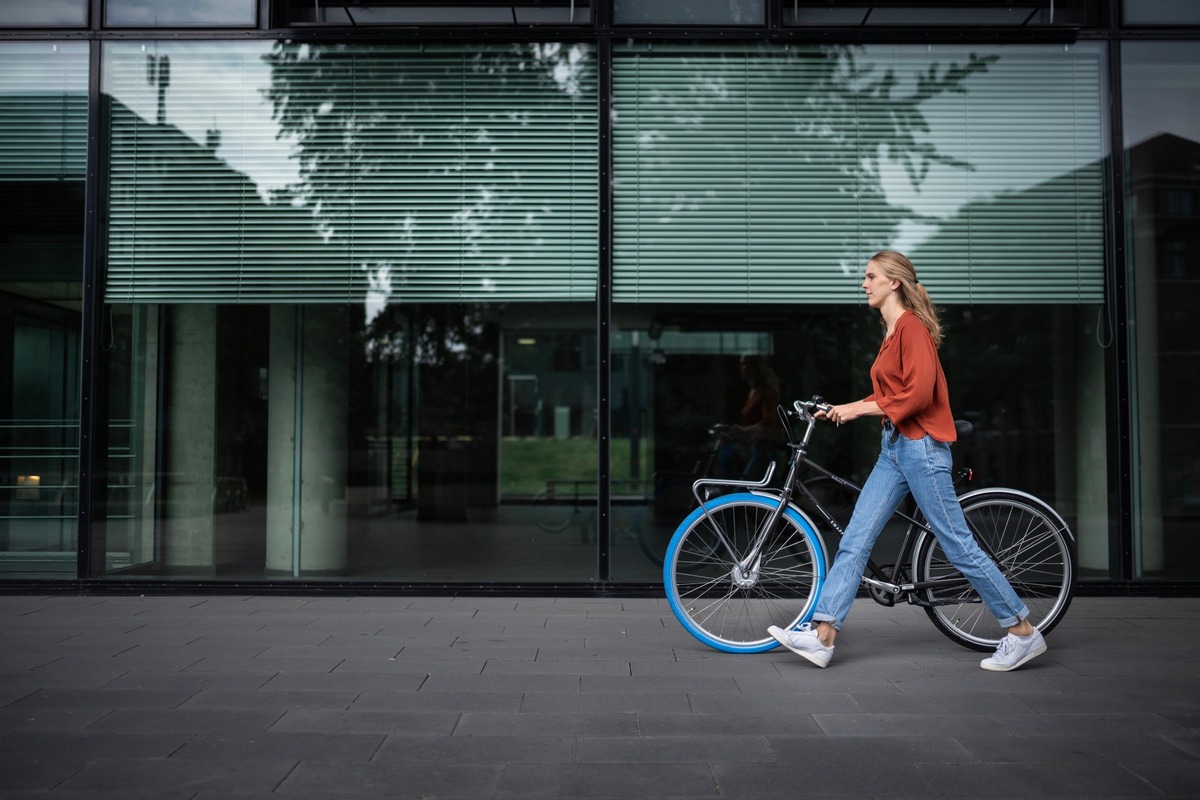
column 154, row 13
column 743, row 166
column 689, row 12
column 394, row 390
column 1160, row 12
column 390, row 12
column 466, row 150
column 1160, row 81
column 43, row 153
column 44, row 12
column 914, row 12
column 745, row 229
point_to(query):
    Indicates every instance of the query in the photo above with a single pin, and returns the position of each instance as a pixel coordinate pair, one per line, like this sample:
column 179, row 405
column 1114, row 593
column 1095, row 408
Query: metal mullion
column 604, row 314
column 93, row 407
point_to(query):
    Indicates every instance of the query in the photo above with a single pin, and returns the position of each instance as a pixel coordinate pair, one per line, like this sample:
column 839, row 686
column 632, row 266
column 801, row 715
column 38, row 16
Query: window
column 406, row 12
column 914, row 12
column 66, row 13
column 749, row 174
column 1160, row 12
column 689, row 12
column 449, row 151
column 156, row 13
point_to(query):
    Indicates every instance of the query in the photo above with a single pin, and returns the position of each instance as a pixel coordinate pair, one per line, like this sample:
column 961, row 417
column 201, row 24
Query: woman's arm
column 851, row 411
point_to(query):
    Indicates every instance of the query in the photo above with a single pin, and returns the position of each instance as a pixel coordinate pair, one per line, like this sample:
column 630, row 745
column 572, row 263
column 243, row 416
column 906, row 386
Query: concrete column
column 189, row 477
column 307, row 377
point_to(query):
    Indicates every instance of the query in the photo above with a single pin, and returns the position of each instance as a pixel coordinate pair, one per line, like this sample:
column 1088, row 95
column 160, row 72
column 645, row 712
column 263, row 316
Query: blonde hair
column 911, row 294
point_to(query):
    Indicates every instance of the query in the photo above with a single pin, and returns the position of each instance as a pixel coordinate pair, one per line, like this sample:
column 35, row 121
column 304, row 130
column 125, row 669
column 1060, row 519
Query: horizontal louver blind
column 426, row 174
column 43, row 111
column 748, row 174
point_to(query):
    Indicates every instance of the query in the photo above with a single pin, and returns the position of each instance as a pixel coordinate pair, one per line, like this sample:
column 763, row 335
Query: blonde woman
column 917, row 429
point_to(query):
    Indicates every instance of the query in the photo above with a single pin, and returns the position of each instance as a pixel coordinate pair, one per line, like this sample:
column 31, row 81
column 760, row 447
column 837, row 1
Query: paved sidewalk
column 400, row 697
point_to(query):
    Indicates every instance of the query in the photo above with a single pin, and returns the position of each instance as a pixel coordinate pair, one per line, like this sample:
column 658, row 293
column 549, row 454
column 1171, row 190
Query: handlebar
column 806, row 408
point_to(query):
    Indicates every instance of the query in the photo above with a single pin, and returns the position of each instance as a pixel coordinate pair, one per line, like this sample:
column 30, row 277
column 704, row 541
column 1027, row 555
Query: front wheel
column 1035, row 551
column 722, row 596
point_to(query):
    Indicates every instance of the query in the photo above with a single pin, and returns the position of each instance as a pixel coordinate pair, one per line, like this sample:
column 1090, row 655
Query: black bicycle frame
column 890, row 583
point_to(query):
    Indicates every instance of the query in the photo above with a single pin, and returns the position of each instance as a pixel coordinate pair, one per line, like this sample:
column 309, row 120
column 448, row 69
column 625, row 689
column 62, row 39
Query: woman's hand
column 847, row 412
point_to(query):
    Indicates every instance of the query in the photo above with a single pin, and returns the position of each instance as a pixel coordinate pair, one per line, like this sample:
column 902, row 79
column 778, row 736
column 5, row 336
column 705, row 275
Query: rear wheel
column 1035, row 550
column 726, row 600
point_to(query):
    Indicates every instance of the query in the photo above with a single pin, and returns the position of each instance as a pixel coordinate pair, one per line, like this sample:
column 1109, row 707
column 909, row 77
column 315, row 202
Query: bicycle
column 744, row 560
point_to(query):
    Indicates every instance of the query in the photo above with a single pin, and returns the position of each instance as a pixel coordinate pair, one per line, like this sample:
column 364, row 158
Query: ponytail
column 911, row 293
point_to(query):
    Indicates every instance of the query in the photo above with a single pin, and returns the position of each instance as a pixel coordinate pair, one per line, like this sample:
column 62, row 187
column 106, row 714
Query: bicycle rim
column 725, row 606
column 552, row 513
column 1034, row 549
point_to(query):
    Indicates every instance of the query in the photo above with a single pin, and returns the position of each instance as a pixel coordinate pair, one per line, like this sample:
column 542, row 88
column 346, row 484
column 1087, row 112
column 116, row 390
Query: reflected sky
column 213, row 88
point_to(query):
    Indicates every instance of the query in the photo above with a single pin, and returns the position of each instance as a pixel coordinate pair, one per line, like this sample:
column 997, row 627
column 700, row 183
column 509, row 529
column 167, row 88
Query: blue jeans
column 921, row 466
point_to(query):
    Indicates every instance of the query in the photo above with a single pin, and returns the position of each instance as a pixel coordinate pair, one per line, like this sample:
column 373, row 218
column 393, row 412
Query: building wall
column 433, row 312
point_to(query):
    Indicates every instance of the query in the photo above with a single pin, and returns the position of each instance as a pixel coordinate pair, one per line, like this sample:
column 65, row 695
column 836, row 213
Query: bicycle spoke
column 722, row 595
column 1031, row 549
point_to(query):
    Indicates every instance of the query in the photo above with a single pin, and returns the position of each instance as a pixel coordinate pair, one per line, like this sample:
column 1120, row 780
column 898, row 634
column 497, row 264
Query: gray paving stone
column 440, row 701
column 441, row 723
column 658, row 683
column 101, row 698
column 398, row 779
column 674, row 749
column 906, row 724
column 184, row 720
column 276, row 745
column 791, row 702
column 873, row 754
column 41, row 774
column 1071, row 779
column 1056, row 749
column 797, row 781
column 765, row 724
column 54, row 719
column 180, row 773
column 600, row 697
column 46, row 745
column 248, row 699
column 501, row 683
column 477, row 749
column 595, row 780
column 563, row 702
column 590, row 723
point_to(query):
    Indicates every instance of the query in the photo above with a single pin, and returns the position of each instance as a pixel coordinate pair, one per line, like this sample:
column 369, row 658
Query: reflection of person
column 757, row 438
column 910, row 394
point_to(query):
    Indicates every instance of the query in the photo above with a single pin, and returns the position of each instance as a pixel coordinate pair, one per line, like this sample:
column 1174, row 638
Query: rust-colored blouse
column 909, row 384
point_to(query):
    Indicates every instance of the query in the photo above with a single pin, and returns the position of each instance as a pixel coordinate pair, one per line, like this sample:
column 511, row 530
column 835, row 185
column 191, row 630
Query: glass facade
column 1162, row 157
column 422, row 310
column 43, row 156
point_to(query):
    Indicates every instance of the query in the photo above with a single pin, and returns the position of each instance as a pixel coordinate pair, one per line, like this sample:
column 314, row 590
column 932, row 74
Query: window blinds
column 43, row 111
column 417, row 173
column 770, row 174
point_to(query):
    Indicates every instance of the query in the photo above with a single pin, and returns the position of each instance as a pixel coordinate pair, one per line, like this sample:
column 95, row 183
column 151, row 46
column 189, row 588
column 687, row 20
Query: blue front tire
column 727, row 602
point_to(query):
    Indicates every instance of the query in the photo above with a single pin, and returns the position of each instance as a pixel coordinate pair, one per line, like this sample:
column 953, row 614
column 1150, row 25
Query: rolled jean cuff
column 1011, row 622
column 837, row 626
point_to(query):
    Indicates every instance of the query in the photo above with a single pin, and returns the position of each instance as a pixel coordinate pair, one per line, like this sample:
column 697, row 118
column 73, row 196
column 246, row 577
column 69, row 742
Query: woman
column 910, row 395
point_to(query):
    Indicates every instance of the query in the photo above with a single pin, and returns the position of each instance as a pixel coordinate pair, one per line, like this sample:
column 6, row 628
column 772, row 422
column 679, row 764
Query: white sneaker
column 1014, row 651
column 803, row 642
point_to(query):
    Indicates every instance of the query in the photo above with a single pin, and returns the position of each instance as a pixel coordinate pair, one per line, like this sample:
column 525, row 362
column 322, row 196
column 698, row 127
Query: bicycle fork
column 745, row 571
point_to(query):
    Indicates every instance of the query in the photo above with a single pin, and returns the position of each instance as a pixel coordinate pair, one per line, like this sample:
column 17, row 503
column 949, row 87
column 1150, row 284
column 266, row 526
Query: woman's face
column 877, row 286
